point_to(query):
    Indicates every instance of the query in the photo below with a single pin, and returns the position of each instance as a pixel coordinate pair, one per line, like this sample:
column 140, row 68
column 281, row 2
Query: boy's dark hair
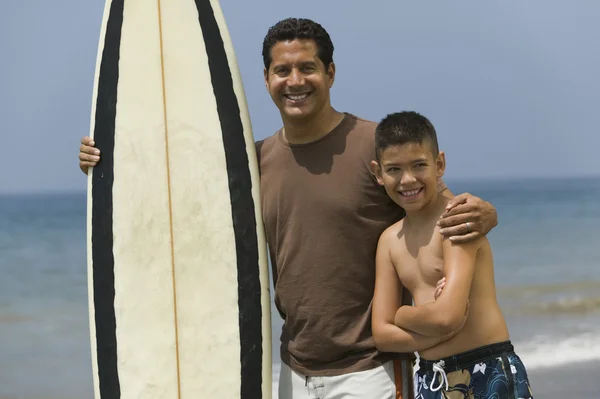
column 298, row 28
column 405, row 127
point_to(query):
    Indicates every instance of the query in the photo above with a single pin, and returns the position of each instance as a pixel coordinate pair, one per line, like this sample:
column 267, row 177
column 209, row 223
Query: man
column 323, row 213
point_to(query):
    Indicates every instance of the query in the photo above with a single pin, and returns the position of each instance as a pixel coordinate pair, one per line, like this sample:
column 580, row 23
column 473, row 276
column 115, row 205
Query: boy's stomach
column 485, row 325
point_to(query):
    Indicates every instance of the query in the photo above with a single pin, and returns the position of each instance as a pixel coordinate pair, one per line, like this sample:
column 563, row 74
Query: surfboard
column 177, row 267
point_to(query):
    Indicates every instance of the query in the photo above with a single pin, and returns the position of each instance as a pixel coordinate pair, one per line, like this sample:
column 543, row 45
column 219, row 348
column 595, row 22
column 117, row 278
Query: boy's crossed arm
column 449, row 312
column 388, row 336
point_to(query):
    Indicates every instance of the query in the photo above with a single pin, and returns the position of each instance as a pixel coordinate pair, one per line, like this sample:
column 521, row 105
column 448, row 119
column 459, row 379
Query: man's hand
column 89, row 156
column 467, row 218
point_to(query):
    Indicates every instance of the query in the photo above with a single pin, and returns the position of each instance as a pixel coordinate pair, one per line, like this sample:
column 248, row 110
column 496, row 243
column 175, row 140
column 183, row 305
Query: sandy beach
column 572, row 381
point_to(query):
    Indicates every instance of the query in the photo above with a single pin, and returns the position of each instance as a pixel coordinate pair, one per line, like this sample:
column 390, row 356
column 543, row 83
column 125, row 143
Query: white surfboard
column 178, row 276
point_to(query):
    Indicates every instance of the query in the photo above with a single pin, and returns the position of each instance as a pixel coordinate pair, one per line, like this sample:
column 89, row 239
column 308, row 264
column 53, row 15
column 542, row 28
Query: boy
column 459, row 332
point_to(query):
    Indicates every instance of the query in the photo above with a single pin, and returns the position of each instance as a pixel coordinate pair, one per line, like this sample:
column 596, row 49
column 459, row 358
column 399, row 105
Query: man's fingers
column 460, row 208
column 87, row 141
column 86, row 163
column 461, row 230
column 83, row 157
column 89, row 150
column 465, row 238
column 457, row 200
column 458, row 221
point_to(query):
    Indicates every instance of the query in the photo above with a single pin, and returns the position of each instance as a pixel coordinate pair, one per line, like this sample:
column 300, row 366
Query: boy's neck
column 302, row 132
column 433, row 210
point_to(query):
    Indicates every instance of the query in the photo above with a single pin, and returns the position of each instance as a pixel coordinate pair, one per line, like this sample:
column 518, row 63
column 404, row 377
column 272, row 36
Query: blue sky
column 511, row 86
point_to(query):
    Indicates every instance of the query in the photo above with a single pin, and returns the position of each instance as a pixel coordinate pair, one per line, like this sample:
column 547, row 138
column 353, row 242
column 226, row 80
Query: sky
column 511, row 86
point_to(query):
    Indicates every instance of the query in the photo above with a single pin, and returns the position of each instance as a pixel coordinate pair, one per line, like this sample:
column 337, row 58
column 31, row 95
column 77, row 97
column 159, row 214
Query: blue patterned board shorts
column 488, row 372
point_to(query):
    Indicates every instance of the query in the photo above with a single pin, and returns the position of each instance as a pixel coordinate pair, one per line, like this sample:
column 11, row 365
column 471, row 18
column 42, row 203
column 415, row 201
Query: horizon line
column 453, row 180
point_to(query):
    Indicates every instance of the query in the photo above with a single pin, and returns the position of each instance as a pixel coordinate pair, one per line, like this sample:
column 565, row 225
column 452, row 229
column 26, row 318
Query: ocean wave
column 563, row 305
column 569, row 298
column 543, row 289
column 570, row 305
column 548, row 351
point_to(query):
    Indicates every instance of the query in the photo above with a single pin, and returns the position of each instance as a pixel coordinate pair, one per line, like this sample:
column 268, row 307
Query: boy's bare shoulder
column 392, row 233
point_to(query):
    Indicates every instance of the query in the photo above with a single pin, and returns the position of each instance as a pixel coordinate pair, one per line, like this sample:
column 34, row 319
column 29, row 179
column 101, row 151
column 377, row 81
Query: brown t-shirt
column 323, row 213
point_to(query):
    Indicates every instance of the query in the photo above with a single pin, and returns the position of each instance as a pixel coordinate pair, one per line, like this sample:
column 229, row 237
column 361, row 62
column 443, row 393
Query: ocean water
column 547, row 259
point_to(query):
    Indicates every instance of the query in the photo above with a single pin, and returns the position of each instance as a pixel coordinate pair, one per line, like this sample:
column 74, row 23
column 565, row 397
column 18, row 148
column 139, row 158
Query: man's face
column 297, row 79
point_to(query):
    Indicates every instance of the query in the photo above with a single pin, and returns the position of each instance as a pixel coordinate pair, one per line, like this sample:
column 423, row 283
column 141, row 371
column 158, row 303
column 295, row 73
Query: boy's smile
column 411, row 194
column 409, row 172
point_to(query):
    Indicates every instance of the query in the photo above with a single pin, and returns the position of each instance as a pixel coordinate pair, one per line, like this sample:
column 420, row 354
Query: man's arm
column 467, row 218
column 449, row 312
column 387, row 299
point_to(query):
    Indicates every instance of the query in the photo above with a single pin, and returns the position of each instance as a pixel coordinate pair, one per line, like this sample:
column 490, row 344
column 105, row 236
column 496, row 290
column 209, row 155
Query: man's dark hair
column 298, row 28
column 402, row 128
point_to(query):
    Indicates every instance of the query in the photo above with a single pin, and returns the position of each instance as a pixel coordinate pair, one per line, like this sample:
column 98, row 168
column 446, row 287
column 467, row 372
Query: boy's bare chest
column 420, row 263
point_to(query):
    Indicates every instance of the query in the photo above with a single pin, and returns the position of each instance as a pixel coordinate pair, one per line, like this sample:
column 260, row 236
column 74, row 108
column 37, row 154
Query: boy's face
column 410, row 173
column 297, row 80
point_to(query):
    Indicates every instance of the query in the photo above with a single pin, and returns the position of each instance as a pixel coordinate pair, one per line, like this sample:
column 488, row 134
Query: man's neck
column 302, row 132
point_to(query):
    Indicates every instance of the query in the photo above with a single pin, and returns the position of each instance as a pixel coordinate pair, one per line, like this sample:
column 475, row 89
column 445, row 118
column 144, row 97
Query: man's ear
column 331, row 73
column 376, row 170
column 266, row 77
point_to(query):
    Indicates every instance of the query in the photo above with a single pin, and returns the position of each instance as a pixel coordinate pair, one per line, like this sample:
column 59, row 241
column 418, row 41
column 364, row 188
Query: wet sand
column 572, row 381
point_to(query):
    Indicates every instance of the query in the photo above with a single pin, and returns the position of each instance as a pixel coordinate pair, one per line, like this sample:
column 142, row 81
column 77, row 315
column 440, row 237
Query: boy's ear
column 376, row 170
column 440, row 164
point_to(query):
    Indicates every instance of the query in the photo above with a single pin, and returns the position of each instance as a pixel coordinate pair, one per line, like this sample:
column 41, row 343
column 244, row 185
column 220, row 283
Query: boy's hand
column 89, row 156
column 439, row 287
column 467, row 218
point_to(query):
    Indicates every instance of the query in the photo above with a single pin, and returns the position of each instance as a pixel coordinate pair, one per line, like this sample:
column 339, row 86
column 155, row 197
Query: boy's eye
column 421, row 165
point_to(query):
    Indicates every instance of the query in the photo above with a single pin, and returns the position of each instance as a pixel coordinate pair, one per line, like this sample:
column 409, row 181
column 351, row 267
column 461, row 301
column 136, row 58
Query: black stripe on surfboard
column 102, row 208
column 242, row 205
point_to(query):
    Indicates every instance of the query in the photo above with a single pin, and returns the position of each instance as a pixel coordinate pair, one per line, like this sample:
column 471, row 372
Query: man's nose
column 295, row 78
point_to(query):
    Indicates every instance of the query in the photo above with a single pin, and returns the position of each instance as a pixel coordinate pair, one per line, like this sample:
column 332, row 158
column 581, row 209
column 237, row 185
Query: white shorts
column 377, row 383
